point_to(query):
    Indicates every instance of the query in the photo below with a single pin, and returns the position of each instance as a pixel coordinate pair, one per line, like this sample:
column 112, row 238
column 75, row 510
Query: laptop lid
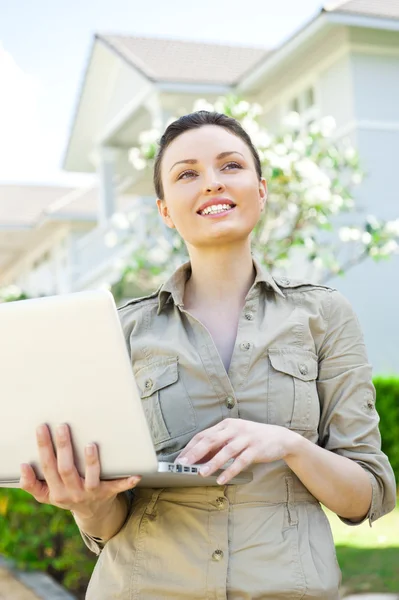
column 63, row 359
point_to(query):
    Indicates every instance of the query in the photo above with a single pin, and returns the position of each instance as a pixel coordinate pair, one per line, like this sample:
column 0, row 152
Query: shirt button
column 245, row 346
column 220, row 502
column 230, row 402
column 249, row 316
column 217, row 555
column 148, row 384
column 303, row 369
column 285, row 281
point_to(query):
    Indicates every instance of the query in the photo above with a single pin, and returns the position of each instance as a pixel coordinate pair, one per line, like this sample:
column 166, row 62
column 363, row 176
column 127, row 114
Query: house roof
column 185, row 61
column 26, row 205
column 374, row 8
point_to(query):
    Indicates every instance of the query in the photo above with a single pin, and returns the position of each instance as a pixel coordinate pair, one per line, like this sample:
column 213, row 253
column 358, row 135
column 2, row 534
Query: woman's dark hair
column 196, row 120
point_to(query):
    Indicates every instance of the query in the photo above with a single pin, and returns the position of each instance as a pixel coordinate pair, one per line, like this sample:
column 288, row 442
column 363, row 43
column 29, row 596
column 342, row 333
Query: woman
column 231, row 364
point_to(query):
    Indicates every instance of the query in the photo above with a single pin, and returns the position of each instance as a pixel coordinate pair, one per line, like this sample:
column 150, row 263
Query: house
column 344, row 63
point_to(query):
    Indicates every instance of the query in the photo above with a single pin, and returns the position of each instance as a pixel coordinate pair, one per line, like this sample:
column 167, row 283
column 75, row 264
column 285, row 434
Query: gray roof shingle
column 388, row 9
column 185, row 61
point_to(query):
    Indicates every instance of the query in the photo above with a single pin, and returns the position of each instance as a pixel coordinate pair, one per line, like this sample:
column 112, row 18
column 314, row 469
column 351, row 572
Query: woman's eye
column 233, row 165
column 182, row 175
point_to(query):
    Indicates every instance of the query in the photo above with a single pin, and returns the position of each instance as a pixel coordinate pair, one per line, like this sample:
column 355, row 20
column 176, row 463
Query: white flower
column 158, row 255
column 350, row 153
column 292, row 121
column 11, row 291
column 136, row 159
column 255, row 109
column 328, row 126
column 240, row 108
column 202, row 104
column 120, row 221
column 262, row 139
column 349, row 234
column 392, row 227
column 366, row 237
column 310, row 170
column 111, row 239
column 317, row 194
column 357, row 178
column 149, row 137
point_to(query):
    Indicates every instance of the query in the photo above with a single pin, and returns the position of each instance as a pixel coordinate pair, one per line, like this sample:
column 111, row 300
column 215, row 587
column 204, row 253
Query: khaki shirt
column 300, row 362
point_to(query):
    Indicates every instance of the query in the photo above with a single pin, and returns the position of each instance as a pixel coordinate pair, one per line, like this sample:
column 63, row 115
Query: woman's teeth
column 217, row 208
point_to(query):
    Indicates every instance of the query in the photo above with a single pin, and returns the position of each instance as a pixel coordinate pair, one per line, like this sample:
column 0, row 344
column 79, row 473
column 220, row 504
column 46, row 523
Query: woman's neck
column 219, row 277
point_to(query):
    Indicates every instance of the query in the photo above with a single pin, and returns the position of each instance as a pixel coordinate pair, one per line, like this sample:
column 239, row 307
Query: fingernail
column 41, row 430
column 204, row 470
column 182, row 461
column 90, row 449
column 134, row 480
column 62, row 430
column 220, row 480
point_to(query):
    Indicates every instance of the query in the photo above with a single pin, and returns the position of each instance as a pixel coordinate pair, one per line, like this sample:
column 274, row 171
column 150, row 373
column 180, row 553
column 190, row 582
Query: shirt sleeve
column 96, row 544
column 349, row 419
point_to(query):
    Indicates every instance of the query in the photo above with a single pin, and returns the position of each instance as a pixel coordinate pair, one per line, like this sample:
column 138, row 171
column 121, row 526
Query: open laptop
column 63, row 359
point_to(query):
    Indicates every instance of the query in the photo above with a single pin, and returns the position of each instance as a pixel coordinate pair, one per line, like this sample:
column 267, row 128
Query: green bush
column 387, row 404
column 42, row 537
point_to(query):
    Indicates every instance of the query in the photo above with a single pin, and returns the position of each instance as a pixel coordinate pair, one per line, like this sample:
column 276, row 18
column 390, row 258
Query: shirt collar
column 174, row 287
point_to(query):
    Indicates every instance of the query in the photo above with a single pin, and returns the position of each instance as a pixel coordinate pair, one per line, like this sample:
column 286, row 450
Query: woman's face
column 210, row 166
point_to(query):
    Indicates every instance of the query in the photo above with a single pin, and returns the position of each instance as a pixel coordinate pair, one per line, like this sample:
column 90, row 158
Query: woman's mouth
column 216, row 210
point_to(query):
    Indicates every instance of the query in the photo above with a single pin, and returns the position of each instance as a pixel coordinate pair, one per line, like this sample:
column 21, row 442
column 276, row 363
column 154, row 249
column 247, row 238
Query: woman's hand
column 244, row 441
column 63, row 486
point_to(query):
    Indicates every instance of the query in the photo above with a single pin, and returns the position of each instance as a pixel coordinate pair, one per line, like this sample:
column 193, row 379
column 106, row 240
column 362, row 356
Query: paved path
column 19, row 585
column 373, row 597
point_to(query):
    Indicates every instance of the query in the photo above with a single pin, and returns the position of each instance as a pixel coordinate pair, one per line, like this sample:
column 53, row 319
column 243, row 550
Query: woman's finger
column 48, row 461
column 29, row 483
column 92, row 471
column 211, row 441
column 241, row 462
column 117, row 486
column 66, row 468
column 229, row 451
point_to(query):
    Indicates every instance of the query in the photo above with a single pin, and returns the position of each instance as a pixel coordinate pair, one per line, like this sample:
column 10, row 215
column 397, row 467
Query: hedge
column 387, row 404
column 42, row 537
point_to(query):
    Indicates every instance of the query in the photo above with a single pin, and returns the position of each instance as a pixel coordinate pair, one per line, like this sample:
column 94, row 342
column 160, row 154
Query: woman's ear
column 262, row 193
column 163, row 211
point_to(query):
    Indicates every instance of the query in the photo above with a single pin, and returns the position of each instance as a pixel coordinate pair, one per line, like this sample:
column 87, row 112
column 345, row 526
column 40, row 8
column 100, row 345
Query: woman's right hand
column 63, row 487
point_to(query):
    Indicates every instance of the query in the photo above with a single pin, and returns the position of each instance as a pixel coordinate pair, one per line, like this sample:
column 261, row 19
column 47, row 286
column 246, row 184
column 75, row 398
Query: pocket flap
column 156, row 376
column 301, row 364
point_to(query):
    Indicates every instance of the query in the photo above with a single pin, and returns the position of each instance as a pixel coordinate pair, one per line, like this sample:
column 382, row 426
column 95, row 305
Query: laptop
column 64, row 359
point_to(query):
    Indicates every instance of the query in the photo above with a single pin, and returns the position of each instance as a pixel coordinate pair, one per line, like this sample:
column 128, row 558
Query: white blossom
column 202, row 104
column 120, row 220
column 136, row 159
column 292, row 121
column 366, row 237
column 111, row 239
column 327, row 126
column 392, row 227
column 149, row 137
column 357, row 178
column 349, row 234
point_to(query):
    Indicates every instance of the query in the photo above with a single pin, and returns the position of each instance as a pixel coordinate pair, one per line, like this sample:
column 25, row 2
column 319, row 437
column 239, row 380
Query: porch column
column 106, row 163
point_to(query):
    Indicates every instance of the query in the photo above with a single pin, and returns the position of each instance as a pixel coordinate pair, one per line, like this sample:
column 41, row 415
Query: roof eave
column 284, row 52
column 367, row 21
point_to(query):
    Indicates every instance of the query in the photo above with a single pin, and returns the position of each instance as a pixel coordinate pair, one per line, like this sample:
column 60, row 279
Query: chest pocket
column 166, row 403
column 292, row 393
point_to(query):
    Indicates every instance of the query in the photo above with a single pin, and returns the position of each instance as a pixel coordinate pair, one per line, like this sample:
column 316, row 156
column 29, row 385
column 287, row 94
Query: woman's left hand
column 244, row 441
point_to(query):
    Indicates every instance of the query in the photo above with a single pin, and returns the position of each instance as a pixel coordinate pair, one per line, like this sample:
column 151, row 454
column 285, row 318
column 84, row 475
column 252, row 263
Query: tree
column 311, row 179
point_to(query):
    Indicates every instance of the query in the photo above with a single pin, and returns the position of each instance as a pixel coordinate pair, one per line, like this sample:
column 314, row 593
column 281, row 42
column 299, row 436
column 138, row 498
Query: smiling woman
column 247, row 372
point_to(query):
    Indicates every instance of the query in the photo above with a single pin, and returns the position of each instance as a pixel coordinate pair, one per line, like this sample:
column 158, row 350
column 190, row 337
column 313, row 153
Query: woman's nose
column 214, row 186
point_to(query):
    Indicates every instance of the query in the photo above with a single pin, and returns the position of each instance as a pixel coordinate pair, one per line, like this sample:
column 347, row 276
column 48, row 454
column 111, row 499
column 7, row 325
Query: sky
column 44, row 50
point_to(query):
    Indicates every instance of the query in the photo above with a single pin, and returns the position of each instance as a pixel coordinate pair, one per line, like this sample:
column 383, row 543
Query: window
column 305, row 104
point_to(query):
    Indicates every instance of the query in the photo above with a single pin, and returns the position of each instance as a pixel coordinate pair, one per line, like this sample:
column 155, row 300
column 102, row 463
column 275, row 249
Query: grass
column 368, row 556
